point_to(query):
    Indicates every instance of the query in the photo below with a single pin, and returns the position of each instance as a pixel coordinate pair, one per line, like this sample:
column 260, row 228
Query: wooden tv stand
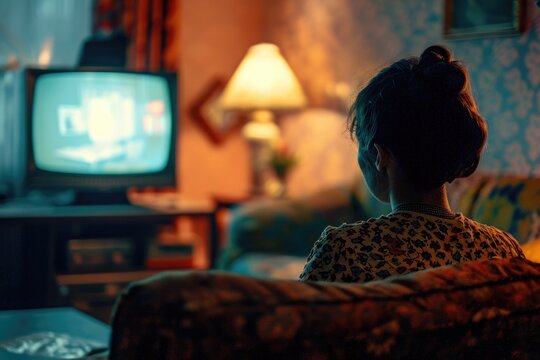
column 32, row 236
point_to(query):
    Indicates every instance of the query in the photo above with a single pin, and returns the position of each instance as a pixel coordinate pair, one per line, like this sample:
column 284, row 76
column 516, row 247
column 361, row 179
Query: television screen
column 101, row 123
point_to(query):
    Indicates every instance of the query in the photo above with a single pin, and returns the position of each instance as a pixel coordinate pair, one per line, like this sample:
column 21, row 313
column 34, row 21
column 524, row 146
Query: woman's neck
column 438, row 197
column 401, row 191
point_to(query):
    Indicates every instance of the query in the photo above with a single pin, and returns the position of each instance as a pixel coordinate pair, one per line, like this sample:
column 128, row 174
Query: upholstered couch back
column 272, row 237
column 511, row 203
column 477, row 310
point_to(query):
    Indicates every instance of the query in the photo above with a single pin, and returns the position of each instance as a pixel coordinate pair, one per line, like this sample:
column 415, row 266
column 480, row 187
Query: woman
column 417, row 127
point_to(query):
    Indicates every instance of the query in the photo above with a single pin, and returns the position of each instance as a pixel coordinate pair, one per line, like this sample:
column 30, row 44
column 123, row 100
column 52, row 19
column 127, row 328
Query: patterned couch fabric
column 463, row 192
column 511, row 204
column 477, row 310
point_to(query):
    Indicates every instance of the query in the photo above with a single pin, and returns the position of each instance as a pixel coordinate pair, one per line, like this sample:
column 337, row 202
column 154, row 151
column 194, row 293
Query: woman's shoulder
column 364, row 228
column 382, row 221
column 361, row 224
column 476, row 225
column 489, row 231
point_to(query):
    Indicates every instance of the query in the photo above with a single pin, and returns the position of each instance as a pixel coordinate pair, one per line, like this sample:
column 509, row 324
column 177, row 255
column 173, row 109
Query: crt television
column 99, row 132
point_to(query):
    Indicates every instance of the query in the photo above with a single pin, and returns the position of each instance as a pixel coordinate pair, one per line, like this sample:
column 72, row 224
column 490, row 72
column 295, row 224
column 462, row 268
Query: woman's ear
column 383, row 157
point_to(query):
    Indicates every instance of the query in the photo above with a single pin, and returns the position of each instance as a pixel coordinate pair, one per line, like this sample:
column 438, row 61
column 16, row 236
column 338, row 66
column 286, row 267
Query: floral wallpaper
column 348, row 41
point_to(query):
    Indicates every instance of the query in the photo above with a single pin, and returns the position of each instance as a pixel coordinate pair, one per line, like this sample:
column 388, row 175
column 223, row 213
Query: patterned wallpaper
column 350, row 40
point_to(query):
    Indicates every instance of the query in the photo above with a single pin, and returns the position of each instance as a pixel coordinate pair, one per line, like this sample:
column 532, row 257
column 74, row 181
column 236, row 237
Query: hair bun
column 440, row 72
column 435, row 54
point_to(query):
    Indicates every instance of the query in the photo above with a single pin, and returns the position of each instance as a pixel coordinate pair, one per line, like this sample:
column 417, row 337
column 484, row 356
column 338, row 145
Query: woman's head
column 422, row 112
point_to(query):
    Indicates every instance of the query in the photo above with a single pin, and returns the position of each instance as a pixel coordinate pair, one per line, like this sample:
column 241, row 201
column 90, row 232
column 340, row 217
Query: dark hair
column 422, row 111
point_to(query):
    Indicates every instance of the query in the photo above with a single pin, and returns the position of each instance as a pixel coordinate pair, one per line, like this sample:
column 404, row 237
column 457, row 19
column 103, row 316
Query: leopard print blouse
column 400, row 243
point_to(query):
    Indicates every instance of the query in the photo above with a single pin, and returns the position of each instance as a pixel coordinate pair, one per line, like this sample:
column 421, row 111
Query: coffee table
column 69, row 321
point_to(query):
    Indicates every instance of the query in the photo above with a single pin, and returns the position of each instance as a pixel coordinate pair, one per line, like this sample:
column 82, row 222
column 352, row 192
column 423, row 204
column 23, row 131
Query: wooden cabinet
column 35, row 265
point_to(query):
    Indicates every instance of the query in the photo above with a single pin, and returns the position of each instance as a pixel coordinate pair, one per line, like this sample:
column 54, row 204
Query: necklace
column 425, row 209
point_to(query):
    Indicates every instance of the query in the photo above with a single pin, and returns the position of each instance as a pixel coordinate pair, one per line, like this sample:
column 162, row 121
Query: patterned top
column 403, row 242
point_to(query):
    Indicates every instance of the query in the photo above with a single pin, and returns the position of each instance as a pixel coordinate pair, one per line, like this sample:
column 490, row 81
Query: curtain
column 151, row 27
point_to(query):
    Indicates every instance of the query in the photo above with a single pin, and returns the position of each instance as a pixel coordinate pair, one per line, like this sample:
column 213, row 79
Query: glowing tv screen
column 101, row 123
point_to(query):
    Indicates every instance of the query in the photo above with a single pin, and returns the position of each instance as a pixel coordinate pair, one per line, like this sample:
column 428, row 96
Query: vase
column 281, row 176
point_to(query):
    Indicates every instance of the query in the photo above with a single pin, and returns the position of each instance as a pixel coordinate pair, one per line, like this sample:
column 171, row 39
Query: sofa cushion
column 511, row 204
column 463, row 193
column 269, row 266
column 285, row 225
column 488, row 309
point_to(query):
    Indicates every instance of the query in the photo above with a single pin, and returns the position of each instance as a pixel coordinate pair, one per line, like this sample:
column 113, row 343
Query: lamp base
column 261, row 154
column 262, row 133
column 261, row 127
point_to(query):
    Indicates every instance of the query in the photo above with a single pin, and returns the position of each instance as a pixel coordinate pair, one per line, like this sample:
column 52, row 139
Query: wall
column 214, row 38
column 326, row 155
column 350, row 40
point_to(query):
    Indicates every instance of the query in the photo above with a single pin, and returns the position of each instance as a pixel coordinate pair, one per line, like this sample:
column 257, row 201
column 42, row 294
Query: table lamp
column 262, row 83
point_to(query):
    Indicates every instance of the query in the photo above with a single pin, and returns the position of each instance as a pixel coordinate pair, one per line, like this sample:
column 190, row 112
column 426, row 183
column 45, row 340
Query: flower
column 282, row 159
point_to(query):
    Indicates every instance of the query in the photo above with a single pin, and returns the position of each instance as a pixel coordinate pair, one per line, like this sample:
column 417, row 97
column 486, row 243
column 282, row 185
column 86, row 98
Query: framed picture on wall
column 206, row 110
column 465, row 19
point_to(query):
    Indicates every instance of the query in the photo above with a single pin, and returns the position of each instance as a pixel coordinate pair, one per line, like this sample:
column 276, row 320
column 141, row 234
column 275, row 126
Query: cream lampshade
column 263, row 80
column 262, row 83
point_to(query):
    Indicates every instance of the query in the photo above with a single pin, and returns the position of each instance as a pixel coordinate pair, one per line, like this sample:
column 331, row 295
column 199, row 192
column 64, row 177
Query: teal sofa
column 271, row 238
